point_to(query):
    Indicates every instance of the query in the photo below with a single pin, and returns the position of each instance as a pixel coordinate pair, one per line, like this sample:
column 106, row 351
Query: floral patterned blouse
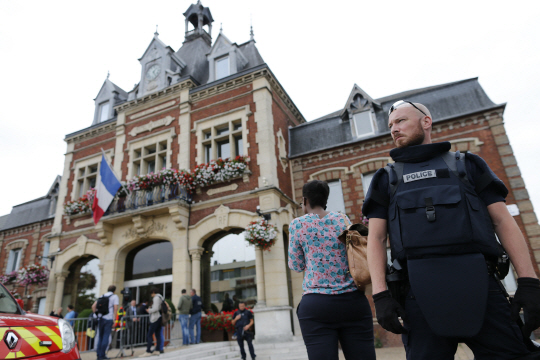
column 315, row 248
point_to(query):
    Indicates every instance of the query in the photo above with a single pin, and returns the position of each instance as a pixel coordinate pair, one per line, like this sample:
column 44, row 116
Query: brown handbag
column 355, row 239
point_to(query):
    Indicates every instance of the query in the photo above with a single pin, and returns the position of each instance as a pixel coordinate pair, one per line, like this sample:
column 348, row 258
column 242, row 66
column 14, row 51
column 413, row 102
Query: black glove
column 527, row 297
column 388, row 310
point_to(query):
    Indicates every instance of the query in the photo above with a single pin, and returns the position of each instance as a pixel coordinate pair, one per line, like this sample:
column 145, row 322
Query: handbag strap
column 347, row 222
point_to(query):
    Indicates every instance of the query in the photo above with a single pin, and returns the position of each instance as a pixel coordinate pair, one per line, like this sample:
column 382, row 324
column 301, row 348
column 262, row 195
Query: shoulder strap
column 395, row 176
column 347, row 222
column 456, row 163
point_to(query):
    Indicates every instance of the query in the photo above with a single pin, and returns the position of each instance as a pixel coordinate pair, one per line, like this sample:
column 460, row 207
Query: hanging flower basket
column 9, row 279
column 33, row 275
column 261, row 233
column 82, row 205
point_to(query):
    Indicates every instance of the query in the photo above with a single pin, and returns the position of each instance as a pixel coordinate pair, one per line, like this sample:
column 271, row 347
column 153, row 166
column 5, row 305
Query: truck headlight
column 67, row 334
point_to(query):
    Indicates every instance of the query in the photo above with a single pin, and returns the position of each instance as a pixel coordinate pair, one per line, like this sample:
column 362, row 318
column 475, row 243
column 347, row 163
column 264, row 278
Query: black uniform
column 436, row 208
column 242, row 334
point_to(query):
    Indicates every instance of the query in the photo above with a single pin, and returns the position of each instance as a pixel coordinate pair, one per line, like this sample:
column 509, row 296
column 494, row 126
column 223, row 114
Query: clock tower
column 160, row 67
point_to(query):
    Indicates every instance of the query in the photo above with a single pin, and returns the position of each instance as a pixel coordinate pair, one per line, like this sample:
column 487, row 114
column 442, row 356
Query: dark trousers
column 104, row 328
column 498, row 339
column 327, row 319
column 155, row 329
column 249, row 339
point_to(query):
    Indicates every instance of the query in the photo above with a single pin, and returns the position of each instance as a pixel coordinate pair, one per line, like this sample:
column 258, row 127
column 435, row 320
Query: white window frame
column 207, row 130
column 366, row 181
column 356, row 119
column 104, row 106
column 85, row 176
column 85, row 163
column 219, row 60
column 41, row 305
column 44, row 256
column 13, row 264
column 334, row 185
column 141, row 161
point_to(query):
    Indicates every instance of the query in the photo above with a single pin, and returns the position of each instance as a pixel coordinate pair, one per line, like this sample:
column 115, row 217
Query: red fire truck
column 24, row 335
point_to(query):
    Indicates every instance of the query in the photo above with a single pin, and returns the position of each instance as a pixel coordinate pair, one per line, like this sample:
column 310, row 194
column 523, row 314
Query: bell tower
column 199, row 16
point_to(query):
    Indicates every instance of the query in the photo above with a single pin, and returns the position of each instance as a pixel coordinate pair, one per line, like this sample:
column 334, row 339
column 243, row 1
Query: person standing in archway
column 195, row 318
column 332, row 308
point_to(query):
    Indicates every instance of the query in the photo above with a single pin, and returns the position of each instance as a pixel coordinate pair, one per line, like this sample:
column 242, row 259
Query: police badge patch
column 424, row 174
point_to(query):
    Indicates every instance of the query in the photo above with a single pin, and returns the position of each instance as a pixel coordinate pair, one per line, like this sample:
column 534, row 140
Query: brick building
column 215, row 99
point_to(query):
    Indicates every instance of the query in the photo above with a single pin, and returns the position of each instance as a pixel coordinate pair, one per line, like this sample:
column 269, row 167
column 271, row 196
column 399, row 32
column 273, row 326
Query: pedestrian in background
column 57, row 314
column 332, row 308
column 227, row 303
column 184, row 306
column 71, row 314
column 195, row 319
column 243, row 322
column 105, row 319
column 155, row 323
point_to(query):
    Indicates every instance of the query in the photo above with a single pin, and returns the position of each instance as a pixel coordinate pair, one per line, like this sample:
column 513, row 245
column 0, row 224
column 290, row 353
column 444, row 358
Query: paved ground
column 392, row 353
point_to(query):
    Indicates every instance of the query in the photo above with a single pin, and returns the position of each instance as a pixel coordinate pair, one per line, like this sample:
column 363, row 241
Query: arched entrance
column 148, row 265
column 227, row 270
column 82, row 284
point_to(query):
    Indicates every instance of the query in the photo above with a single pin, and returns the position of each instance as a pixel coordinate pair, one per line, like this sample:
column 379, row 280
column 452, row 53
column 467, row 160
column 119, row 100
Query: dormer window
column 104, row 111
column 222, row 67
column 363, row 124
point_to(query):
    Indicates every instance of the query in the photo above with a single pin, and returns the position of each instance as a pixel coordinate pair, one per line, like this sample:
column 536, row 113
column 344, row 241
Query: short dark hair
column 241, row 302
column 194, row 291
column 316, row 192
column 184, row 291
column 111, row 288
column 71, row 307
column 154, row 290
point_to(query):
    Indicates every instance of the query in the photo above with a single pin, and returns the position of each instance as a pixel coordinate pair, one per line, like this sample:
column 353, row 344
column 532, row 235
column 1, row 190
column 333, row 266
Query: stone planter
column 214, row 336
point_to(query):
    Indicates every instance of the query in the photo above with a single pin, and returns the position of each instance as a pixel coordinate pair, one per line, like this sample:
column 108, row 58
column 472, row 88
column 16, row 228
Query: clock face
column 153, row 72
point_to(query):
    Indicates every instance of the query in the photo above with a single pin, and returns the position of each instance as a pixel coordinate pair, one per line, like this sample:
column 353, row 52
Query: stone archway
column 81, row 249
column 206, row 269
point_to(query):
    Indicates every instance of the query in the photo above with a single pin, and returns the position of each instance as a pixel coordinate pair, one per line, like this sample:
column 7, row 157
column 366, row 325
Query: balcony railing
column 144, row 198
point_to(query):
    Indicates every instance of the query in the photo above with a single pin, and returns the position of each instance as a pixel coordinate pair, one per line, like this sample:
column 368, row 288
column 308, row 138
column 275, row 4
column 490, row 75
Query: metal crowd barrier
column 130, row 333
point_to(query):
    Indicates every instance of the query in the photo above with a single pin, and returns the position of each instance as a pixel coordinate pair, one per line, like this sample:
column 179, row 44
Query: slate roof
column 252, row 54
column 3, row 220
column 193, row 53
column 30, row 212
column 444, row 101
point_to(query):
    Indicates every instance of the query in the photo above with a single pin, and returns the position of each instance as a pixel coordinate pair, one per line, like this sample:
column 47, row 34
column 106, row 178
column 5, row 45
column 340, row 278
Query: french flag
column 106, row 189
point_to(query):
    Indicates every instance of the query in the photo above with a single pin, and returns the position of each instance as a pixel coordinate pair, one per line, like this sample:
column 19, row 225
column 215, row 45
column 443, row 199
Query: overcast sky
column 55, row 56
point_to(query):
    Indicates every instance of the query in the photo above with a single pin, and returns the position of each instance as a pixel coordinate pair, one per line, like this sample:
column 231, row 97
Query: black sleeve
column 487, row 185
column 377, row 197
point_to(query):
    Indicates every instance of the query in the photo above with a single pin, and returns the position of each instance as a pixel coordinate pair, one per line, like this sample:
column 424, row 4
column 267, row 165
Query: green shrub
column 81, row 325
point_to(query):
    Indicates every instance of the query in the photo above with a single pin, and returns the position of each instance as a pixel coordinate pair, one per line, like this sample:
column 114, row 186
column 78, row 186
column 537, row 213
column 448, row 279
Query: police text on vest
column 425, row 174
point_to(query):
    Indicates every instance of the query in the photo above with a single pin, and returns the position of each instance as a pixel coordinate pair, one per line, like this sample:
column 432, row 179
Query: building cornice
column 92, row 131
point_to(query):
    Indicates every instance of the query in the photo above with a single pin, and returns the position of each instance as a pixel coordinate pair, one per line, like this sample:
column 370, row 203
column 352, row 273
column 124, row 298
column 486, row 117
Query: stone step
column 292, row 350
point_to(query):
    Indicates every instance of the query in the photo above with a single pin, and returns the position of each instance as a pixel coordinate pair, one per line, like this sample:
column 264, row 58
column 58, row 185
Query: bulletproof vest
column 435, row 211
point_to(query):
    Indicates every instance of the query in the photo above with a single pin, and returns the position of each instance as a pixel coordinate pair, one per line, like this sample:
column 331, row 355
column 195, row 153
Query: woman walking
column 332, row 308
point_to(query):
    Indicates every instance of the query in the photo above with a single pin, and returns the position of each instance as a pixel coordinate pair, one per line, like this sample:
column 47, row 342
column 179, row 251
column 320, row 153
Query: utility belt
column 397, row 278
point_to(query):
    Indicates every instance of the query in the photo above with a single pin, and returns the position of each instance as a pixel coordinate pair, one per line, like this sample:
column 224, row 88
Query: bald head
column 410, row 124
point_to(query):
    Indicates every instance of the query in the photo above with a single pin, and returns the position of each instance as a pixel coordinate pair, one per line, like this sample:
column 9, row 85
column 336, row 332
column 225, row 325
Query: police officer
column 441, row 211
